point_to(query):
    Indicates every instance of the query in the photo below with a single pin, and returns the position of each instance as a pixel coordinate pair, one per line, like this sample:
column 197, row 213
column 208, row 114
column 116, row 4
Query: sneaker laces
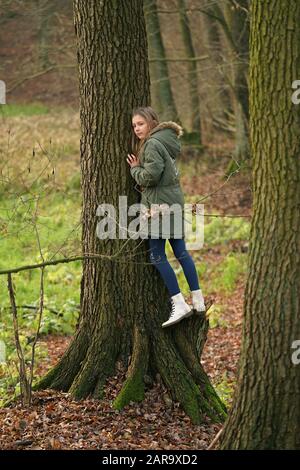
column 173, row 309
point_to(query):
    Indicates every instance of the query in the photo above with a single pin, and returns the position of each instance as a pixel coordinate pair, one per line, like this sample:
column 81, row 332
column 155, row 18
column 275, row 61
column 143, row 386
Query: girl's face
column 140, row 126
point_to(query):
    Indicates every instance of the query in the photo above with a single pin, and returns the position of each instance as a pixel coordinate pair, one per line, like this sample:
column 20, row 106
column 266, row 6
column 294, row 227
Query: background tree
column 45, row 10
column 161, row 86
column 233, row 19
column 192, row 72
column 173, row 75
column 237, row 18
column 266, row 413
column 222, row 116
column 123, row 298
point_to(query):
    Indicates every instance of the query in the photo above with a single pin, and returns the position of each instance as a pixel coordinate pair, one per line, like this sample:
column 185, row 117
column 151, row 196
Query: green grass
column 57, row 225
column 215, row 317
column 12, row 110
column 226, row 274
column 222, row 230
column 56, row 222
column 225, row 389
column 9, row 376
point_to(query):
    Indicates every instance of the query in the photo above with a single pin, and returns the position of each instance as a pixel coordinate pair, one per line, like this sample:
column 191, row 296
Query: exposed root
column 134, row 388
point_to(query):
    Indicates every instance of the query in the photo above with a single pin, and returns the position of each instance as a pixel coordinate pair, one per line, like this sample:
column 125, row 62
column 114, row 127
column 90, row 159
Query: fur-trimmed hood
column 168, row 125
column 168, row 134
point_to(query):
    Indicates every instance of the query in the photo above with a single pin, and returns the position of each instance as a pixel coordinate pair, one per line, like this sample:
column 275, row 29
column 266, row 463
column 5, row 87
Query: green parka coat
column 158, row 178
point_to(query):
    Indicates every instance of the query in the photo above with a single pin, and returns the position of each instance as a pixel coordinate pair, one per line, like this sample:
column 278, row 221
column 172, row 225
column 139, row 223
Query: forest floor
column 56, row 421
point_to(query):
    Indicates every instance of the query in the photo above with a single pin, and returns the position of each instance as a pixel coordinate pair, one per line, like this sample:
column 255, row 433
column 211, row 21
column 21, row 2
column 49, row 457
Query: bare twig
column 24, row 383
column 38, row 74
column 187, row 59
column 40, row 313
column 215, row 440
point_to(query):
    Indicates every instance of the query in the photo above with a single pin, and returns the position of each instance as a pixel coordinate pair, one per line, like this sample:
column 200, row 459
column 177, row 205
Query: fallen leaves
column 56, row 421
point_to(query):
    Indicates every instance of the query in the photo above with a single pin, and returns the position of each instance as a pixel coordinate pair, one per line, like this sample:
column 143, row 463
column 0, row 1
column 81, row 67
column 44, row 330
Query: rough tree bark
column 123, row 299
column 266, row 412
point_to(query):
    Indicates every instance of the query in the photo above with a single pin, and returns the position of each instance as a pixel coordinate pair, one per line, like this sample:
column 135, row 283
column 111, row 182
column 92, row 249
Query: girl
column 156, row 146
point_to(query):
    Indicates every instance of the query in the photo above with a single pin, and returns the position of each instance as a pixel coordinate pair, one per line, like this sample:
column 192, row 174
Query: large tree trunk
column 123, row 299
column 266, row 412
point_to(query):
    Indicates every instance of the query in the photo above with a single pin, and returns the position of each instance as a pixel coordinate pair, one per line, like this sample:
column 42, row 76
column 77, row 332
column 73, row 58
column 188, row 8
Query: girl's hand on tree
column 133, row 161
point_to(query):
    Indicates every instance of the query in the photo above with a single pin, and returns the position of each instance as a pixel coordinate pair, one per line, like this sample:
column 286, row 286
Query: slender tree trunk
column 233, row 17
column 123, row 299
column 192, row 70
column 223, row 98
column 161, row 85
column 236, row 17
column 266, row 412
column 44, row 11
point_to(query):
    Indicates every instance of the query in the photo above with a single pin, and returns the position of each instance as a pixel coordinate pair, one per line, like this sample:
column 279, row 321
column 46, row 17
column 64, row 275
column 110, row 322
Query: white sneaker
column 198, row 301
column 180, row 310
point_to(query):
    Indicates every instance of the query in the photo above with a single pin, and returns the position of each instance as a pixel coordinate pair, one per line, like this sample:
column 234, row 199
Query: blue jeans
column 159, row 260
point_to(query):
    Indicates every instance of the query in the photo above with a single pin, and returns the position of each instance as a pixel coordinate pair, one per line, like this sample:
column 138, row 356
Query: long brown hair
column 152, row 120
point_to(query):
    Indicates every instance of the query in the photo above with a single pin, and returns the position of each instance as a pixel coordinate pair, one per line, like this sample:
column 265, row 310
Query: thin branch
column 34, row 307
column 220, row 187
column 24, row 384
column 40, row 313
column 215, row 440
column 191, row 59
column 38, row 74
